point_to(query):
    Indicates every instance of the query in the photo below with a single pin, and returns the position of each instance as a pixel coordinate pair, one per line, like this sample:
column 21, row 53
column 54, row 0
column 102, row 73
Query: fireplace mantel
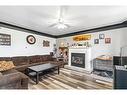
column 79, row 47
column 87, row 52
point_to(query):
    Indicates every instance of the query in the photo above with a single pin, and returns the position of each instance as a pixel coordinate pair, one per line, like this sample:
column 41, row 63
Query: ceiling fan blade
column 67, row 25
column 60, row 19
column 52, row 25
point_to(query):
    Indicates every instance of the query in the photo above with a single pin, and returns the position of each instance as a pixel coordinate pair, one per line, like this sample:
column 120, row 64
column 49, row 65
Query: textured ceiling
column 79, row 18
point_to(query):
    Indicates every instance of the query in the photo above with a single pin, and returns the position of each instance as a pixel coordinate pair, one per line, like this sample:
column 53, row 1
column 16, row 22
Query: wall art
column 107, row 40
column 31, row 39
column 46, row 43
column 5, row 39
column 96, row 41
column 101, row 36
column 83, row 37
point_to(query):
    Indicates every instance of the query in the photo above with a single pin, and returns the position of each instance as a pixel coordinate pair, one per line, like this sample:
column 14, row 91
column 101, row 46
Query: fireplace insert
column 78, row 59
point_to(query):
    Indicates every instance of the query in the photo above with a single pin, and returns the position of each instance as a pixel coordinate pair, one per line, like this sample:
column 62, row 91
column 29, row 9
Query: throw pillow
column 6, row 65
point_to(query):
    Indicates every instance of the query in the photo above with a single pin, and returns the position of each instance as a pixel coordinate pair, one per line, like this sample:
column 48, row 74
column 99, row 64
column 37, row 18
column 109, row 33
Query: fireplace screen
column 78, row 59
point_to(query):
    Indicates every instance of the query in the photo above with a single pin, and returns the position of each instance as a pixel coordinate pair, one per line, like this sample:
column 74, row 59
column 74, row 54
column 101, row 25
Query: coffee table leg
column 37, row 77
column 27, row 72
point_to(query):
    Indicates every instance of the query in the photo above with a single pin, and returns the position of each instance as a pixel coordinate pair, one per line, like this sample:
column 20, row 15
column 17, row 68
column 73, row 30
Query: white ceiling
column 79, row 18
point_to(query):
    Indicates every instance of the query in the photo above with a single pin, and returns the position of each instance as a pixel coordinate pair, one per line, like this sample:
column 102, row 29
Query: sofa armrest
column 24, row 81
column 13, row 79
column 10, row 81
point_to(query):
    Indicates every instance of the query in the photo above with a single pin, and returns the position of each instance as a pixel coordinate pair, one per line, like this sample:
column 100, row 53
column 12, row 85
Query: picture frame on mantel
column 96, row 41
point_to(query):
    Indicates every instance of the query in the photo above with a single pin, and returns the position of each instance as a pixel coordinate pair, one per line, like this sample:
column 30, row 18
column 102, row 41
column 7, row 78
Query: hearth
column 78, row 59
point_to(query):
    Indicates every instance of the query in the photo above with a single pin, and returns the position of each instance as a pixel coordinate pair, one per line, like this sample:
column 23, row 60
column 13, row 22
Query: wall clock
column 31, row 39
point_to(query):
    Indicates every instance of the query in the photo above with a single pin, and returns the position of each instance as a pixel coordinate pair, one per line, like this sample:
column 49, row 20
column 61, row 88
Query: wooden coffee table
column 36, row 70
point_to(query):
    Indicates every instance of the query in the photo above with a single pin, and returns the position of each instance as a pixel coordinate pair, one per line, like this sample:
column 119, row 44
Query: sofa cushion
column 35, row 64
column 21, row 68
column 5, row 59
column 34, row 59
column 20, row 60
column 46, row 58
column 49, row 58
column 6, row 65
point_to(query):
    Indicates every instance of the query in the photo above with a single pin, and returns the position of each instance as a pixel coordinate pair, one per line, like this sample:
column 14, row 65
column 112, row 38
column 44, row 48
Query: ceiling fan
column 60, row 22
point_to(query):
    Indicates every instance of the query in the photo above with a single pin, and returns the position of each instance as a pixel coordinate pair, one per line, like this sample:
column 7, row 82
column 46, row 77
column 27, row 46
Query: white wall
column 124, row 42
column 118, row 39
column 20, row 47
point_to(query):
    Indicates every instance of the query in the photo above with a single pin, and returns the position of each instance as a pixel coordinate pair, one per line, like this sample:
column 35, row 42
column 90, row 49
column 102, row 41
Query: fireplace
column 78, row 59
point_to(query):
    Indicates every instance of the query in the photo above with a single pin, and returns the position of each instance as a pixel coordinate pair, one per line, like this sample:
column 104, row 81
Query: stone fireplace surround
column 87, row 52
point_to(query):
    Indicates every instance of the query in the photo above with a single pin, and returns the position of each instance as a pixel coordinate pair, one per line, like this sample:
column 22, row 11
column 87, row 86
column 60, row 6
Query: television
column 120, row 60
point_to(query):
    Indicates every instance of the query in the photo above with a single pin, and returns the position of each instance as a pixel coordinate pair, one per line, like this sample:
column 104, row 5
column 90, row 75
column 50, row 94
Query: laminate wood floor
column 69, row 79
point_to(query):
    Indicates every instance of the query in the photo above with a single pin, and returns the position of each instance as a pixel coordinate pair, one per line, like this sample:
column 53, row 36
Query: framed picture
column 96, row 41
column 107, row 40
column 101, row 36
column 5, row 39
column 46, row 43
column 31, row 39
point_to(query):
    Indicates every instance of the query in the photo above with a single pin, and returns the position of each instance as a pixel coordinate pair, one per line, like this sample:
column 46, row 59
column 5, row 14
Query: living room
column 63, row 48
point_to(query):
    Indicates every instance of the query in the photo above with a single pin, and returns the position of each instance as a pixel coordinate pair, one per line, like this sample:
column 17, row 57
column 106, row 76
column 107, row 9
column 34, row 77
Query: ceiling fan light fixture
column 61, row 26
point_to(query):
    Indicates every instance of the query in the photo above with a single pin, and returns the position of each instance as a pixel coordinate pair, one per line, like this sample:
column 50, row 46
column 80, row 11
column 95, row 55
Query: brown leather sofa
column 22, row 62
